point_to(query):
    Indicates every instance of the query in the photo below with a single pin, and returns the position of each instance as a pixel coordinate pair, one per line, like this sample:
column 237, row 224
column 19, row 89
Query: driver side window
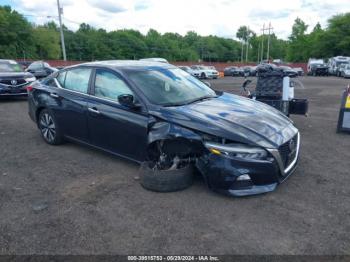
column 110, row 86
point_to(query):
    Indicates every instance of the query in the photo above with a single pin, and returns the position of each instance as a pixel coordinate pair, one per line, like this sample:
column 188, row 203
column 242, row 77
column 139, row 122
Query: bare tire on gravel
column 166, row 180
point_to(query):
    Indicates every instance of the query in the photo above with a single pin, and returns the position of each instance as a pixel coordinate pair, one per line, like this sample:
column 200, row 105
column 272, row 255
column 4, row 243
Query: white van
column 335, row 62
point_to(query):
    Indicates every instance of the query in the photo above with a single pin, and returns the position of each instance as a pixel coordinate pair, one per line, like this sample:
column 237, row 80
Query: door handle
column 93, row 110
column 54, row 95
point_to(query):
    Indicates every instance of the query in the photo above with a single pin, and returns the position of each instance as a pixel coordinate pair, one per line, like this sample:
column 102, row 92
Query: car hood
column 233, row 117
column 15, row 75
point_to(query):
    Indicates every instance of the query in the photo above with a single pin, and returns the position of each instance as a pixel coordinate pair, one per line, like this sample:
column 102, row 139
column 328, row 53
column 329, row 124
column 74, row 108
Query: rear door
column 114, row 127
column 71, row 102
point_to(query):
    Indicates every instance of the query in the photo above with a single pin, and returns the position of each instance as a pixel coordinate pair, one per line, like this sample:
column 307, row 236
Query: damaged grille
column 288, row 151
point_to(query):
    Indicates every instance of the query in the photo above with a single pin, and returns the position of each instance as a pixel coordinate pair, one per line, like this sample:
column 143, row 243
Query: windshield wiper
column 189, row 102
column 200, row 99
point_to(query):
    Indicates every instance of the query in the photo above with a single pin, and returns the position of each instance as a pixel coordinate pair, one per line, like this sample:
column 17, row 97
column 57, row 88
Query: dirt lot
column 75, row 200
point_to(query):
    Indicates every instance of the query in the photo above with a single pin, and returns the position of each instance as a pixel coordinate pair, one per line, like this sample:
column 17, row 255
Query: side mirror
column 126, row 100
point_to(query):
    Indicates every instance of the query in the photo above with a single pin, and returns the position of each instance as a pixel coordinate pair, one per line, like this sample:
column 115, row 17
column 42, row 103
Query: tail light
column 29, row 88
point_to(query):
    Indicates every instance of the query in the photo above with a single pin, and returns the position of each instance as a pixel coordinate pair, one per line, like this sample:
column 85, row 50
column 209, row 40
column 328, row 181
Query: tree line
column 22, row 39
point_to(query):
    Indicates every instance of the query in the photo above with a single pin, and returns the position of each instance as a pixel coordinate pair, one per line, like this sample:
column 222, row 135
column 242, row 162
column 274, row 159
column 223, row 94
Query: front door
column 114, row 127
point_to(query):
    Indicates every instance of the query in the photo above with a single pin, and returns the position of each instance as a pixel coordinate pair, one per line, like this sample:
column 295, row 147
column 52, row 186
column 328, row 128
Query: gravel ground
column 71, row 199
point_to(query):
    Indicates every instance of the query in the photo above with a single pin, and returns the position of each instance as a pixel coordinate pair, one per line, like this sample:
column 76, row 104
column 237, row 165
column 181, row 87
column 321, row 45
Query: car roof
column 8, row 61
column 128, row 64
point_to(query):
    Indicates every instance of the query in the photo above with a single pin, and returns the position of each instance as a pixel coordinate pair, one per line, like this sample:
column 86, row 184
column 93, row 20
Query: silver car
column 346, row 72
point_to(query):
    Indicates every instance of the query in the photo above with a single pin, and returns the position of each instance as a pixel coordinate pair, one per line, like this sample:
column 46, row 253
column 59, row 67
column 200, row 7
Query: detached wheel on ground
column 166, row 180
column 49, row 129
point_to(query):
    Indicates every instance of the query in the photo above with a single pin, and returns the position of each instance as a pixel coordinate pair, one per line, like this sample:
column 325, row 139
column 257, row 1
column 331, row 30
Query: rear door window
column 77, row 80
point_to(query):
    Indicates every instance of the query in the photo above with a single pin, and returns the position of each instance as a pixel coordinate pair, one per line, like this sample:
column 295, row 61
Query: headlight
column 237, row 150
column 30, row 79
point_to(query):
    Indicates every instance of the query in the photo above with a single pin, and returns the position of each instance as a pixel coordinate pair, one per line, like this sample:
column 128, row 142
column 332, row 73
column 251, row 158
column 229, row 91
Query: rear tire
column 50, row 131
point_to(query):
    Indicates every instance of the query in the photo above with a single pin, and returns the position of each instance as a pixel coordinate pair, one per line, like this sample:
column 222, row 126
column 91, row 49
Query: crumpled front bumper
column 221, row 172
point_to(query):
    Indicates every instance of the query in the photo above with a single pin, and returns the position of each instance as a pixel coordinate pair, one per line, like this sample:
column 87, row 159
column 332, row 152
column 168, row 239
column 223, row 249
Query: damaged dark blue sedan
column 157, row 112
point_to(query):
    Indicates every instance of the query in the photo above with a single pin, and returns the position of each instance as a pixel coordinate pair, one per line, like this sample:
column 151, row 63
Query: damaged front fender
column 164, row 130
column 168, row 142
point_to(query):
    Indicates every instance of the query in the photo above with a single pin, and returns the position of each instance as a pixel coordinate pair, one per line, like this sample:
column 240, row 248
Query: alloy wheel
column 47, row 127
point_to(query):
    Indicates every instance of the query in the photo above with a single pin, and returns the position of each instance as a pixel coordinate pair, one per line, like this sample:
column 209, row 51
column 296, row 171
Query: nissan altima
column 148, row 110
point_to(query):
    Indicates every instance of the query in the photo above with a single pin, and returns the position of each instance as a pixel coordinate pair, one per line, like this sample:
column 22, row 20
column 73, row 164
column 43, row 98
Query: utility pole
column 262, row 42
column 268, row 42
column 247, row 46
column 60, row 11
column 242, row 41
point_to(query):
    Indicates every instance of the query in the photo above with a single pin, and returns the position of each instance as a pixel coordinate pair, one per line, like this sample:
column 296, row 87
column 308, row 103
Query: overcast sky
column 216, row 17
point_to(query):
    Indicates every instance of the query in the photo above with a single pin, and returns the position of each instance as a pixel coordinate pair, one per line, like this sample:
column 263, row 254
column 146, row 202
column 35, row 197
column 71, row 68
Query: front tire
column 49, row 129
column 166, row 180
column 203, row 76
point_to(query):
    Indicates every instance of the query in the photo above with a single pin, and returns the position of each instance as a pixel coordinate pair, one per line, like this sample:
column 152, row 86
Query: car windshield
column 170, row 87
column 10, row 66
column 341, row 62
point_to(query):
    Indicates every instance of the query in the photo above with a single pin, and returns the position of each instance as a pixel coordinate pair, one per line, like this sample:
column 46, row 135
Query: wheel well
column 37, row 113
column 174, row 146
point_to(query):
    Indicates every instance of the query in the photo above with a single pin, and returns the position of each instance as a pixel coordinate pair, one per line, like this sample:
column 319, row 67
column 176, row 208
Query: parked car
column 24, row 64
column 233, row 71
column 155, row 59
column 191, row 71
column 13, row 80
column 277, row 61
column 346, row 73
column 342, row 68
column 317, row 67
column 229, row 71
column 156, row 111
column 253, row 70
column 334, row 64
column 206, row 72
column 40, row 69
column 299, row 70
column 246, row 70
column 289, row 71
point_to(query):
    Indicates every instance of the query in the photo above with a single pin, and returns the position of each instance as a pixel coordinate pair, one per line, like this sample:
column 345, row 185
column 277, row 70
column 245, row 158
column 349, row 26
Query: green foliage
column 47, row 42
column 19, row 39
column 244, row 33
column 22, row 39
column 320, row 43
column 16, row 34
column 297, row 50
